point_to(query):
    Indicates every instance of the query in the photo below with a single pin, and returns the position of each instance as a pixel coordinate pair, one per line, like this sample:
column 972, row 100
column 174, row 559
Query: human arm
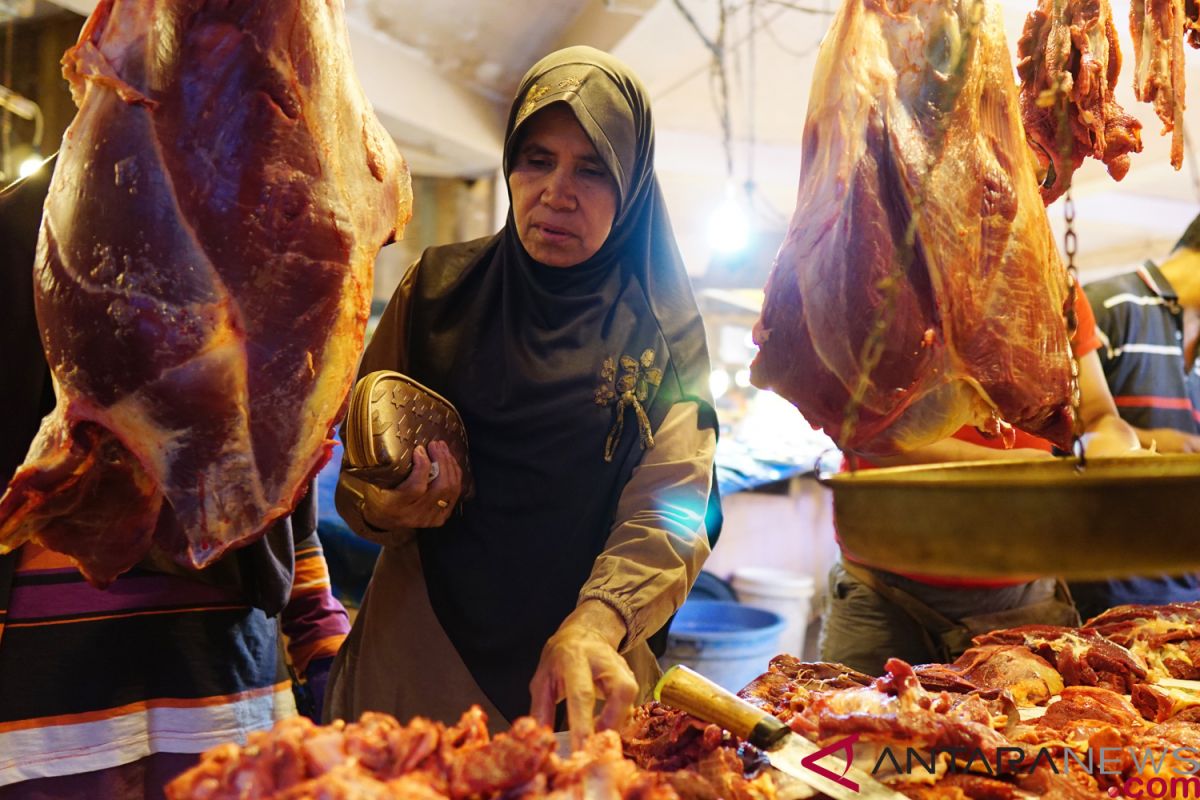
column 654, row 552
column 1104, row 432
column 951, row 449
column 314, row 623
column 581, row 663
column 1168, row 440
column 389, row 516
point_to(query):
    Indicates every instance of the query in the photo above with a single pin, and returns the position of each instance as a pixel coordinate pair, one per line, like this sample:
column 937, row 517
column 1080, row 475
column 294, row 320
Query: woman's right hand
column 418, row 502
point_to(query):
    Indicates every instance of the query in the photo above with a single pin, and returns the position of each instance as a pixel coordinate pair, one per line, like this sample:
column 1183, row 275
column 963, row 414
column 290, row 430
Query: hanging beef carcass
column 914, row 111
column 1159, row 28
column 1069, row 62
column 203, row 277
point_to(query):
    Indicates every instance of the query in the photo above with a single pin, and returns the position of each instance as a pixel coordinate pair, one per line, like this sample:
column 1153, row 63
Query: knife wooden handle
column 690, row 691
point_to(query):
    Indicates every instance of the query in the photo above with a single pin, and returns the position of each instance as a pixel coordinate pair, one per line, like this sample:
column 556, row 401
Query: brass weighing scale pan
column 1114, row 517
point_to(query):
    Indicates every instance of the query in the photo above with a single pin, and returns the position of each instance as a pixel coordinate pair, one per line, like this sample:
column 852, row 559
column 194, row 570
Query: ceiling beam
column 604, row 23
column 451, row 128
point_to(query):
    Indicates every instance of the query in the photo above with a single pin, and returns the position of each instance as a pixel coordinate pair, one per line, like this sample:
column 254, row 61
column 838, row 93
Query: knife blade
column 788, row 752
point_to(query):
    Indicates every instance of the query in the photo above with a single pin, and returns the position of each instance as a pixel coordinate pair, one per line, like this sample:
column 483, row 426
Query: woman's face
column 563, row 198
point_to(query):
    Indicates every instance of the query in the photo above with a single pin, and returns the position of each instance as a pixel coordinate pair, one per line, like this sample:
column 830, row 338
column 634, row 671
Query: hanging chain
column 1059, row 98
column 1071, row 247
column 8, row 167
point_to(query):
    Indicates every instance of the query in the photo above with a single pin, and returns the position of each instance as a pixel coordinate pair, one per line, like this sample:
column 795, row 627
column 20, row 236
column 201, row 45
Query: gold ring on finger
column 442, row 504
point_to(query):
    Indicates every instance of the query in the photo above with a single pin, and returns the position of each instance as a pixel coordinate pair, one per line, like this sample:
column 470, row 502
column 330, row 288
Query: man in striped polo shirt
column 1148, row 322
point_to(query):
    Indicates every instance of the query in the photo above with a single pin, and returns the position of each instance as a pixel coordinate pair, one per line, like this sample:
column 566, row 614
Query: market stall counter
column 1109, row 709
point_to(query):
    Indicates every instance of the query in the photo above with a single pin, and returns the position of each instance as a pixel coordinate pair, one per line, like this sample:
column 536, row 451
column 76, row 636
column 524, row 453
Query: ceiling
column 441, row 75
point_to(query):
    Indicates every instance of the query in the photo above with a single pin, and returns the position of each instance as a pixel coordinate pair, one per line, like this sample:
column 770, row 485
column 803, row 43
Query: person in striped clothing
column 111, row 693
column 1148, row 321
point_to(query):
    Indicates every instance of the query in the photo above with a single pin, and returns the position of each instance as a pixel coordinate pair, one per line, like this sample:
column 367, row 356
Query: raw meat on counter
column 378, row 757
column 1161, row 703
column 1081, row 656
column 1026, row 676
column 1069, row 62
column 784, row 689
column 978, row 740
column 996, row 737
column 914, row 111
column 1166, row 638
column 203, row 278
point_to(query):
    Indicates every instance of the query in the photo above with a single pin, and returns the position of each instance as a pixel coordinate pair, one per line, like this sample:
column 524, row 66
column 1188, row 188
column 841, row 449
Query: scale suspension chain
column 1071, row 247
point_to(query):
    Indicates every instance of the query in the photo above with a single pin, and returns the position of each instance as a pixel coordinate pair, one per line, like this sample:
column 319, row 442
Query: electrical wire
column 6, row 119
column 726, row 51
column 718, row 75
column 751, row 91
column 1193, row 168
column 799, row 54
column 804, row 9
column 686, row 78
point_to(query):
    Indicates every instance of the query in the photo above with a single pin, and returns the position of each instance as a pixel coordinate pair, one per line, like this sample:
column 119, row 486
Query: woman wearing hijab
column 571, row 344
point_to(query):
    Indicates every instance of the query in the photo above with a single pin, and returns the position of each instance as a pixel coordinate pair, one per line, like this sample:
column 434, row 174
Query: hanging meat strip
column 1158, row 32
column 203, row 277
column 914, row 111
column 1069, row 62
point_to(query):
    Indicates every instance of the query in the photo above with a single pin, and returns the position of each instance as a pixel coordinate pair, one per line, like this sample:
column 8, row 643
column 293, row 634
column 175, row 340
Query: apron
column 951, row 638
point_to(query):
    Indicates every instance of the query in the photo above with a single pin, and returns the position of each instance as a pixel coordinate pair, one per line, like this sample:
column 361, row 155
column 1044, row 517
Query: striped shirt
column 1140, row 323
column 156, row 663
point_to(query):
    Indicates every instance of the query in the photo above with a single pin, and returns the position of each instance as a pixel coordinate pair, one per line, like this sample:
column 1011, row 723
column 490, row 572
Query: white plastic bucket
column 729, row 643
column 788, row 594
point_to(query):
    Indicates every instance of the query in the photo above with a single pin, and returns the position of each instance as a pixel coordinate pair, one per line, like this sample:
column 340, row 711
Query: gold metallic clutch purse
column 390, row 415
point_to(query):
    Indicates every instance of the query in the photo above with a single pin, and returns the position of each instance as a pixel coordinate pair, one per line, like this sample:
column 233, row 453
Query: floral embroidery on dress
column 627, row 389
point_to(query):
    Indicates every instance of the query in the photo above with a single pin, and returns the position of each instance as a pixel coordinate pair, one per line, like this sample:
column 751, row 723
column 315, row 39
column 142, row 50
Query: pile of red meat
column 1004, row 715
column 377, row 757
column 1017, row 716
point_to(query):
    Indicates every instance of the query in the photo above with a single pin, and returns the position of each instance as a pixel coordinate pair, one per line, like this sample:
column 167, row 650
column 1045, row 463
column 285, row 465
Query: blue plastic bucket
column 728, row 642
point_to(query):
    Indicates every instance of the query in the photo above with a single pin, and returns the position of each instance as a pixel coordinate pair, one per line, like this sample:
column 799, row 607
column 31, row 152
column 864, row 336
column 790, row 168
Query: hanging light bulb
column 729, row 225
column 30, row 165
column 718, row 382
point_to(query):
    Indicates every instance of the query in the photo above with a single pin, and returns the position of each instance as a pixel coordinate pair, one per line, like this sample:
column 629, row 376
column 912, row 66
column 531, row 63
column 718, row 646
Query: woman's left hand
column 580, row 661
column 424, row 499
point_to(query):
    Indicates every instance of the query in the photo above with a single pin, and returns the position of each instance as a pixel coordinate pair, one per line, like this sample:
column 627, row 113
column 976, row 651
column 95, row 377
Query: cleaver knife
column 788, row 752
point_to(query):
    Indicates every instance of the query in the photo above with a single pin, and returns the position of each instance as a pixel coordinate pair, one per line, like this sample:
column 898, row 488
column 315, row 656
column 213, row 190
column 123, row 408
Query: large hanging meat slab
column 203, row 277
column 914, row 111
